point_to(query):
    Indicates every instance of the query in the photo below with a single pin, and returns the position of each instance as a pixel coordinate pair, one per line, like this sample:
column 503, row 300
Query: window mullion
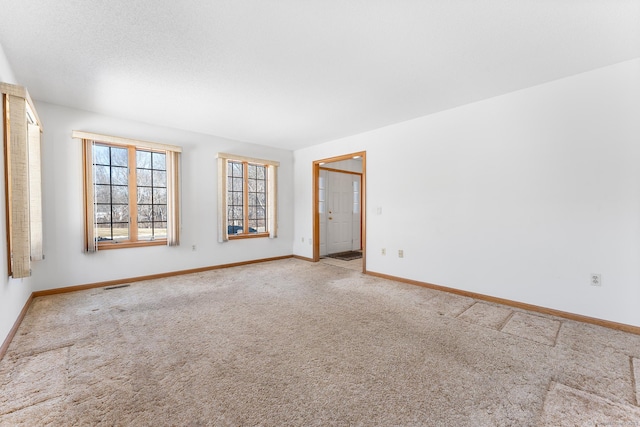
column 133, row 196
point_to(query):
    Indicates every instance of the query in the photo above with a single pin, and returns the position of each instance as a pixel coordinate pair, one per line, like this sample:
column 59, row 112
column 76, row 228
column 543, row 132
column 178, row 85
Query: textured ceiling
column 292, row 73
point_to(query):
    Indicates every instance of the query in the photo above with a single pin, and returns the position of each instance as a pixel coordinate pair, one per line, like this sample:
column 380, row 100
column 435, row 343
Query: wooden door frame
column 316, row 214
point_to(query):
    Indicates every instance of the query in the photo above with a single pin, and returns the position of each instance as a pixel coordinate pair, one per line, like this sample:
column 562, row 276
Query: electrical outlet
column 383, row 251
column 303, row 240
column 311, row 241
column 193, row 247
column 596, row 279
column 400, row 253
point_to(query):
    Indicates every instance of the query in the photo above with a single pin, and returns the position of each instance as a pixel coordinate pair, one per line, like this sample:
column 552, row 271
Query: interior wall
column 67, row 265
column 6, row 72
column 521, row 196
column 13, row 293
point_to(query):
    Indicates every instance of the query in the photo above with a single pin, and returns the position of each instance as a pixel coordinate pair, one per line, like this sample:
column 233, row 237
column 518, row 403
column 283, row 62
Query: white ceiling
column 293, row 73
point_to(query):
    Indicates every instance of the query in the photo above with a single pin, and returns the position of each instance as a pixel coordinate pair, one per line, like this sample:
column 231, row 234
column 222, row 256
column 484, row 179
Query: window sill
column 122, row 245
column 247, row 236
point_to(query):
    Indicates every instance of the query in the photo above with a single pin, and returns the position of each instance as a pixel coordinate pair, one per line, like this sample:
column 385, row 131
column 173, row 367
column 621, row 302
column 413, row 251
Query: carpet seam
column 509, row 317
column 634, row 386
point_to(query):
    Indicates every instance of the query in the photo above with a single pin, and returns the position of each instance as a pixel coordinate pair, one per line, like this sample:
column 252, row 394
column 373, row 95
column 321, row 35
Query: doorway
column 339, row 205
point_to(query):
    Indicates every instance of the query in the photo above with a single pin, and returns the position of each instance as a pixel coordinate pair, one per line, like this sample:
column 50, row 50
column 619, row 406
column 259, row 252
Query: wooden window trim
column 128, row 244
column 247, row 236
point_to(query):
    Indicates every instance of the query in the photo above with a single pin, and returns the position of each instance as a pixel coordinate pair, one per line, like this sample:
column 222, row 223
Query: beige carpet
column 291, row 343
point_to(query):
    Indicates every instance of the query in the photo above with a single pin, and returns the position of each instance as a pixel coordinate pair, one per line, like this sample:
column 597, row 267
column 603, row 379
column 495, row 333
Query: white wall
column 13, row 293
column 6, row 72
column 521, row 196
column 67, row 265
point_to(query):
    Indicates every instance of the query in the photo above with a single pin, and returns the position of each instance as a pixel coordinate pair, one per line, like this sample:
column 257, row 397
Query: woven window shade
column 22, row 167
column 18, row 177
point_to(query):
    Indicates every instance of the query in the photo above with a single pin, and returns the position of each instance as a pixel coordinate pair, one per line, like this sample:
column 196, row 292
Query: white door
column 341, row 225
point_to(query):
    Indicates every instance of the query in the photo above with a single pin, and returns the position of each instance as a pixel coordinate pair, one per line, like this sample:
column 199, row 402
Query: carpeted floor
column 292, row 343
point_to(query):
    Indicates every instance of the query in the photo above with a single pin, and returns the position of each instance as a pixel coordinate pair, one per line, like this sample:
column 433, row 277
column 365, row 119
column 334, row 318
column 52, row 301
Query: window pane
column 160, row 230
column 143, row 177
column 145, row 230
column 158, row 161
column 119, row 156
column 144, row 195
column 236, row 169
column 102, row 174
column 103, row 214
column 103, row 233
column 120, row 194
column 101, row 155
column 143, row 159
column 160, row 196
column 235, row 213
column 103, row 193
column 237, row 184
column 160, row 213
column 119, row 176
column 159, row 178
column 121, row 231
column 144, row 213
column 261, row 172
column 120, row 213
column 152, row 195
column 252, row 171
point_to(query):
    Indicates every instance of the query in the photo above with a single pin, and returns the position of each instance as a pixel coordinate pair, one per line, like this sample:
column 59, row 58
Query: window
column 247, row 197
column 130, row 193
column 118, row 216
